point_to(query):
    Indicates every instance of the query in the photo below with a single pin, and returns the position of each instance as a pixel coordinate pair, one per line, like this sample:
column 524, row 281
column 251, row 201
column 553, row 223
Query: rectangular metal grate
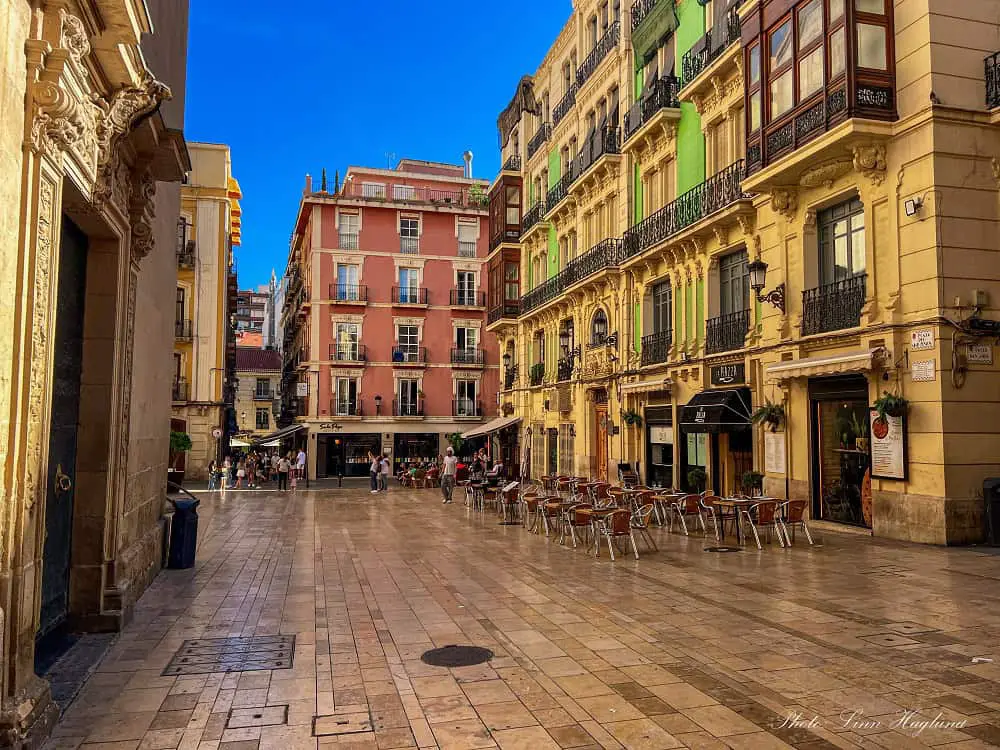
column 208, row 655
column 332, row 725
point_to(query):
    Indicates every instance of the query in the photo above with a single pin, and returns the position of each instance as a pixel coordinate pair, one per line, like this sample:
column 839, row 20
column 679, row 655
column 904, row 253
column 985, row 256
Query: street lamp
column 378, row 405
column 758, row 278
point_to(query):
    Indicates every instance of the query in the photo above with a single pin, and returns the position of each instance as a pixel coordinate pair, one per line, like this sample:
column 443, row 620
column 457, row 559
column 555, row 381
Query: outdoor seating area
column 598, row 516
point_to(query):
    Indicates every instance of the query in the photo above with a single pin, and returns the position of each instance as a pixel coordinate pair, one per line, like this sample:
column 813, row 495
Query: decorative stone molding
column 810, row 219
column 785, row 201
column 869, row 160
column 746, row 223
column 825, row 174
column 142, row 212
column 995, row 166
column 73, row 36
column 721, row 234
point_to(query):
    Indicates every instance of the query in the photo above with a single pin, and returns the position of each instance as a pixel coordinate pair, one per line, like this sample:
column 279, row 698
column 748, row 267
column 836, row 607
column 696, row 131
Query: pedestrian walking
column 383, row 477
column 275, row 458
column 300, row 464
column 213, row 470
column 374, row 471
column 241, row 472
column 448, row 474
column 283, row 466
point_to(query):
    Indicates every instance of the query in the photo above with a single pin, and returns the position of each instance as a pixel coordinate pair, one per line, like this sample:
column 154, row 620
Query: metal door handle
column 63, row 481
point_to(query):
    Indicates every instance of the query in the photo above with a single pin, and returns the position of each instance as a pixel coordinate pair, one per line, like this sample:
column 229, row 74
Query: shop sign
column 302, row 389
column 731, row 374
column 216, row 433
column 922, row 340
column 923, row 372
column 979, row 354
column 888, row 446
column 334, row 426
column 700, row 415
column 661, row 434
column 774, row 452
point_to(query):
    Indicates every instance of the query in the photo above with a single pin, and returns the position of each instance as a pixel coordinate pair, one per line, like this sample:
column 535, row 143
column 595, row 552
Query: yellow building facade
column 800, row 214
column 208, row 231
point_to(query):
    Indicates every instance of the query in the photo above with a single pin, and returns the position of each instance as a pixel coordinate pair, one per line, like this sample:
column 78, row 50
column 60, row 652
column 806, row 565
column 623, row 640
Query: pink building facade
column 385, row 314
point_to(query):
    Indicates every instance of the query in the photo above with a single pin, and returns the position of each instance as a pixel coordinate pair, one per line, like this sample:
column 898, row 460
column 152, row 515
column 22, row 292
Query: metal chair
column 574, row 519
column 793, row 513
column 689, row 505
column 618, row 525
column 762, row 515
column 640, row 523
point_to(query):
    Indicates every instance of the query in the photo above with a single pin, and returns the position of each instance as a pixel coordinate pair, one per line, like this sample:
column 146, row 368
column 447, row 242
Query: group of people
column 446, row 467
column 253, row 469
column 379, row 472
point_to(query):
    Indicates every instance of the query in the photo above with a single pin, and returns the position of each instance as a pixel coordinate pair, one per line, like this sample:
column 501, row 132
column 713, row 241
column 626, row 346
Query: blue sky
column 293, row 94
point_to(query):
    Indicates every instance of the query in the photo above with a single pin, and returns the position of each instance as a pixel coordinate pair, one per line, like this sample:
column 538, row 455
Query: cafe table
column 597, row 516
column 662, row 502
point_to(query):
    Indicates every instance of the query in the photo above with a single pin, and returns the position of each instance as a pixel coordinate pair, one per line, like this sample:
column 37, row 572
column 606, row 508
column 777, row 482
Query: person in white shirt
column 383, row 478
column 448, row 474
column 300, row 464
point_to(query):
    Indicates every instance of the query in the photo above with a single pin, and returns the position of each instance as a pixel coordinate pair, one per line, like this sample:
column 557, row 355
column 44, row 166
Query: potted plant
column 696, row 479
column 456, row 441
column 860, row 433
column 180, row 443
column 420, row 394
column 537, row 373
column 889, row 405
column 753, row 481
column 632, row 418
column 770, row 414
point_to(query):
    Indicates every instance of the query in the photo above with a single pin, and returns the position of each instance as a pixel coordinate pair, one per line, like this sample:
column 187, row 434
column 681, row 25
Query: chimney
column 468, row 164
column 309, row 185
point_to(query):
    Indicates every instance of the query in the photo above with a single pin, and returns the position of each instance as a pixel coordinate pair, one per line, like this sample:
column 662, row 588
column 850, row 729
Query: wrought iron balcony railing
column 656, row 348
column 641, row 9
column 509, row 377
column 466, row 249
column 538, row 140
column 506, row 310
column 409, row 355
column 409, row 245
column 726, row 332
column 181, row 390
column 601, row 50
column 348, row 292
column 607, row 140
column 532, row 217
column 564, row 106
column 469, row 357
column 183, row 330
column 833, row 307
column 407, row 408
column 513, row 164
column 346, row 408
column 713, row 194
column 466, row 407
column 347, row 240
column 564, row 369
column 715, row 42
column 263, row 395
column 537, row 375
column 605, row 254
column 466, row 298
column 348, row 352
column 993, row 80
column 661, row 95
column 409, row 295
column 560, row 190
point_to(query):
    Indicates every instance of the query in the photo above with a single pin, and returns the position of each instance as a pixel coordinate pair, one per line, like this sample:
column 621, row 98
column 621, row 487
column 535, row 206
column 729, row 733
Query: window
column 465, row 398
column 263, row 389
column 409, row 291
column 734, row 283
column 810, row 44
column 661, row 307
column 567, row 440
column 347, row 282
column 372, row 190
column 511, row 282
column 754, row 87
column 347, row 342
column 263, row 419
column 466, row 291
column 842, row 242
column 780, row 73
column 409, row 235
column 467, row 231
column 871, row 46
column 466, row 340
column 513, row 200
column 403, row 192
column 408, row 338
column 345, row 397
column 179, row 306
column 599, row 328
column 539, row 346
column 406, row 395
column 348, row 230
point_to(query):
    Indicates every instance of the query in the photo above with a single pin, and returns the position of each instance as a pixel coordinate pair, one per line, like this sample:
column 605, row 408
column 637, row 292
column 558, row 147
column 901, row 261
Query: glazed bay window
column 780, row 73
column 836, row 304
column 727, row 331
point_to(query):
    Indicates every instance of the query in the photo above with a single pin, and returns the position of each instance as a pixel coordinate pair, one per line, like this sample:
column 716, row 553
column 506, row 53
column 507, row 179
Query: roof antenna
column 390, row 157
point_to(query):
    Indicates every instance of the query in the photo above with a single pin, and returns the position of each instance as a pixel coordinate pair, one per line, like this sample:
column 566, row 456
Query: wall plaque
column 731, row 374
column 922, row 340
column 979, row 354
column 923, row 372
column 774, row 452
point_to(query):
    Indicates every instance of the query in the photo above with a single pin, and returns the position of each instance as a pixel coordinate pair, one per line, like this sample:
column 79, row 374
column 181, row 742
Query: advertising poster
column 888, row 445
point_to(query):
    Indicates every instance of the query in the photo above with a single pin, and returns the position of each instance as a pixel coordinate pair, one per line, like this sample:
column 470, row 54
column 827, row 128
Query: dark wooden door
column 553, row 451
column 68, row 364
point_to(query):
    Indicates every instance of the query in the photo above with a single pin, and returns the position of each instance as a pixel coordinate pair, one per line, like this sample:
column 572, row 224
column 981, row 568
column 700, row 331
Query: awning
column 645, row 386
column 724, row 410
column 277, row 437
column 860, row 360
column 237, row 443
column 493, row 426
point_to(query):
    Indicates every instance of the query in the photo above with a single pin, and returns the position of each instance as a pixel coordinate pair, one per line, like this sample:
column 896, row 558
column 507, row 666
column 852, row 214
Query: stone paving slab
column 855, row 643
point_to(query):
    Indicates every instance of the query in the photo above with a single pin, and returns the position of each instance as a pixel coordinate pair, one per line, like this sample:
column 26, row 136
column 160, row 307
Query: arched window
column 599, row 328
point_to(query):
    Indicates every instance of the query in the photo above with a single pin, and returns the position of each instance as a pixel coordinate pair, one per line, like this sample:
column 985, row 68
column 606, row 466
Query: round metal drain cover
column 722, row 549
column 456, row 656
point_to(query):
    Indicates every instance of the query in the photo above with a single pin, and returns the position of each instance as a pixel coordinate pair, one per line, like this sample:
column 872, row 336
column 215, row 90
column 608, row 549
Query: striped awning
column 860, row 360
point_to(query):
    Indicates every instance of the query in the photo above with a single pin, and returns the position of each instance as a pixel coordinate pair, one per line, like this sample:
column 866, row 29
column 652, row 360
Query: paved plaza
column 852, row 643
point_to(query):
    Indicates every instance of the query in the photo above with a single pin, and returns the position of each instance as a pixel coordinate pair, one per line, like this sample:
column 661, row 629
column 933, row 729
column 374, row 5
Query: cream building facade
column 258, row 373
column 92, row 154
column 208, row 231
column 802, row 214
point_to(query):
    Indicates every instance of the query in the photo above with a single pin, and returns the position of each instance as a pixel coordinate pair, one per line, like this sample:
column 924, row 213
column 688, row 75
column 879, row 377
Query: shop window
column 843, row 460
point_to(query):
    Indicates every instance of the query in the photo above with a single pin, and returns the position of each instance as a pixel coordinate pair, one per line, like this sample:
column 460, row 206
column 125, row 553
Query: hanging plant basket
column 889, row 405
column 632, row 418
column 769, row 414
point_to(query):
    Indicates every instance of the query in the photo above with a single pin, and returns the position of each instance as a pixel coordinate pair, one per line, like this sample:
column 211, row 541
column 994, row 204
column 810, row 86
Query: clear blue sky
column 292, row 94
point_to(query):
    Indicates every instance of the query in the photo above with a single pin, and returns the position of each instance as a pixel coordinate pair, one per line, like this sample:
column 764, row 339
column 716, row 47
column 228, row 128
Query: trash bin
column 991, row 496
column 183, row 534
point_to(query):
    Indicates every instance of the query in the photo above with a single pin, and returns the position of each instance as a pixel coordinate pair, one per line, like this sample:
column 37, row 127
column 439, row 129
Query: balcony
column 468, row 357
column 510, row 378
column 409, row 295
column 652, row 22
column 537, row 375
column 264, row 395
column 656, row 348
column 183, row 330
column 993, row 80
column 833, row 307
column 696, row 204
column 407, row 408
column 352, row 294
column 348, row 240
column 409, row 245
column 466, row 407
column 466, row 249
column 506, row 310
column 185, row 256
column 564, row 106
column 716, row 41
column 348, row 408
column 662, row 95
column 601, row 50
column 471, row 197
column 558, row 192
column 604, row 255
column 513, row 164
column 605, row 142
column 466, row 298
column 539, row 139
column 180, row 390
column 564, row 369
column 534, row 215
column 409, row 355
column 350, row 353
column 726, row 333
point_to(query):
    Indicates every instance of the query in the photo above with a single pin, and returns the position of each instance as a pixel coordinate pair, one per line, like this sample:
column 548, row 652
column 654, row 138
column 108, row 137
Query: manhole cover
column 722, row 549
column 209, row 655
column 456, row 656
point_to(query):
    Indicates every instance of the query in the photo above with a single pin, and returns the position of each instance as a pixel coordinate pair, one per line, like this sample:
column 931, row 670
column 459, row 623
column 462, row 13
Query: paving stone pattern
column 810, row 648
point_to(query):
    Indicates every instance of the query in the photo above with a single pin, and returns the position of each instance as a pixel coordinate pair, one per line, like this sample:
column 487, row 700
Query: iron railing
column 710, row 196
column 409, row 245
column 661, row 95
column 348, row 352
column 560, row 190
column 564, row 369
column 407, row 408
column 473, row 357
column 565, row 105
column 993, row 80
column 466, row 249
column 466, row 298
column 185, row 255
column 513, row 164
column 714, row 43
column 181, row 390
column 726, row 332
column 604, row 141
column 509, row 377
column 656, row 348
column 605, row 254
column 641, row 9
column 532, row 217
column 471, row 197
column 506, row 310
column 183, row 330
column 409, row 355
column 466, row 407
column 538, row 140
column 537, row 375
column 348, row 292
column 601, row 50
column 834, row 307
column 409, row 295
column 347, row 240
column 346, row 408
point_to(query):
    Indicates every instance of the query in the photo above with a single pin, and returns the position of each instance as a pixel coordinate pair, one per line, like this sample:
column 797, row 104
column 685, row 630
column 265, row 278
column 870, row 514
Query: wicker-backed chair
column 640, row 523
column 685, row 507
column 793, row 513
column 617, row 525
column 762, row 516
column 576, row 518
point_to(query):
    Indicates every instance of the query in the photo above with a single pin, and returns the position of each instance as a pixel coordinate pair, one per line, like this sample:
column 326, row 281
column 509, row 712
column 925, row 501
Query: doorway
column 600, row 451
column 553, row 451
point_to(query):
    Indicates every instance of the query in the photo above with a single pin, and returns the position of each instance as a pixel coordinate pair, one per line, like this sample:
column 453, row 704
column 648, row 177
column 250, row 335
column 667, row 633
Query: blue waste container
column 183, row 534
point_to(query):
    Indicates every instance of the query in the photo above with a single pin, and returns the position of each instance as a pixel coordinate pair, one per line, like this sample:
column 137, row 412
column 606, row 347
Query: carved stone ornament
column 825, row 174
column 785, row 201
column 746, row 224
column 73, row 36
column 721, row 234
column 869, row 160
column 142, row 212
column 995, row 166
column 59, row 122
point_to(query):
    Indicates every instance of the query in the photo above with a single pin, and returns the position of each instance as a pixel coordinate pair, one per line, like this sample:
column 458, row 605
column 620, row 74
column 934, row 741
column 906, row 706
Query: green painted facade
column 699, row 303
column 554, row 166
column 690, row 139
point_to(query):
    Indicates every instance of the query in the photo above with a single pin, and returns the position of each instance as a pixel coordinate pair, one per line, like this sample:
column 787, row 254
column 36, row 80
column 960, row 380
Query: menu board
column 774, row 452
column 888, row 445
